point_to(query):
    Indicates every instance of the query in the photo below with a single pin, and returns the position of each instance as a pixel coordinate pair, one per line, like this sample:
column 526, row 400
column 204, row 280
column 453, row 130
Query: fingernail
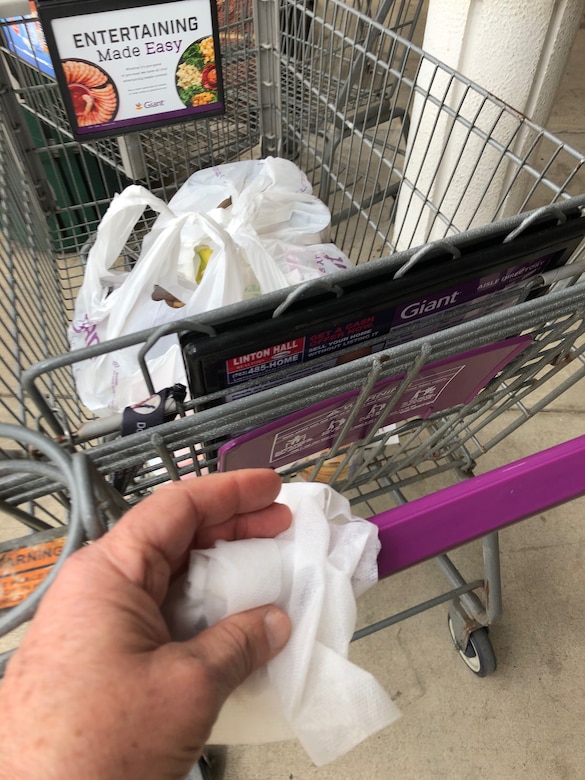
column 278, row 628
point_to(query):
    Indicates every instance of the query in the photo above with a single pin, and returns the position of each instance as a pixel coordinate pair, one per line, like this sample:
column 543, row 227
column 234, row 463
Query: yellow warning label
column 23, row 569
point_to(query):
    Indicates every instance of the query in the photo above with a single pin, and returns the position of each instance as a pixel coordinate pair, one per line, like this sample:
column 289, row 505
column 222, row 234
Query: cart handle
column 449, row 518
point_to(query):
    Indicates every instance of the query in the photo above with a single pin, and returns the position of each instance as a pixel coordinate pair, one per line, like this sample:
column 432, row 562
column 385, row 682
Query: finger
column 239, row 645
column 170, row 518
column 263, row 524
column 150, row 542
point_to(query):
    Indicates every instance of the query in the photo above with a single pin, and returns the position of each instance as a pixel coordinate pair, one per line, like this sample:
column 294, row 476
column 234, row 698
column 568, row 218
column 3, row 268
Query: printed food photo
column 196, row 76
column 93, row 93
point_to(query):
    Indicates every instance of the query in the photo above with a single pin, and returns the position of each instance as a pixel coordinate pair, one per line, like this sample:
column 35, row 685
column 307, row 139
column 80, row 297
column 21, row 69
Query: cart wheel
column 479, row 654
column 201, row 770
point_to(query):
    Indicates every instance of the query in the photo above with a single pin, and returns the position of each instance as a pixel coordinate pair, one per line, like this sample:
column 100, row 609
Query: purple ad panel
column 399, row 324
column 439, row 386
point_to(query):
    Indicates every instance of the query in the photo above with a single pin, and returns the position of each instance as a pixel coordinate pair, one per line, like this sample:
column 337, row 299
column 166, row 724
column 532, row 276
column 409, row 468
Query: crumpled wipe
column 314, row 571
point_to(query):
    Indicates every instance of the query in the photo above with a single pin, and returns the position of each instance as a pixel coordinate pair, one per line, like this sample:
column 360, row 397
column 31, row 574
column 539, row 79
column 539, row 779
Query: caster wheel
column 211, row 765
column 201, row 770
column 479, row 654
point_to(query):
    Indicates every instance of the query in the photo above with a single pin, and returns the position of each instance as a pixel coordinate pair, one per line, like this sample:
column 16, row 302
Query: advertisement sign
column 24, row 38
column 439, row 386
column 124, row 67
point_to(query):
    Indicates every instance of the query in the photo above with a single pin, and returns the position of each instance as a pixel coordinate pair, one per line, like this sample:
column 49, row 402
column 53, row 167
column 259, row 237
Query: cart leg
column 493, row 578
column 468, row 618
column 469, row 602
column 461, row 626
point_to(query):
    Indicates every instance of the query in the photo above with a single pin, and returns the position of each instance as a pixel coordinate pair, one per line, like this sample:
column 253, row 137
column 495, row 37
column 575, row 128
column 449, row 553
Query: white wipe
column 314, row 571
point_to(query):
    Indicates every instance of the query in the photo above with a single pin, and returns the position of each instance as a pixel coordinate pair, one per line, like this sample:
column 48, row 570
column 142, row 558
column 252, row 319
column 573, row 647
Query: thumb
column 238, row 645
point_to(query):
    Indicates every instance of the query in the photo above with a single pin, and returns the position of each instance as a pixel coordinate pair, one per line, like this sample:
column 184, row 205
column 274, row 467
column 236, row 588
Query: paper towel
column 314, row 571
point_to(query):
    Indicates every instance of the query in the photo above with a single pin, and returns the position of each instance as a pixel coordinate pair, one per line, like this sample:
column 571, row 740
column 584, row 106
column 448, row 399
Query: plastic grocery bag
column 269, row 208
column 114, row 303
column 271, row 196
column 196, row 258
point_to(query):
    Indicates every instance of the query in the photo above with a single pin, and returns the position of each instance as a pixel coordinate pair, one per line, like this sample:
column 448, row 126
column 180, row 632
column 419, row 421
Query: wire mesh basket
column 406, row 152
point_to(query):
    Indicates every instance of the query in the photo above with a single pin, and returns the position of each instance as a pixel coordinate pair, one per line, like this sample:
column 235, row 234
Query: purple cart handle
column 439, row 522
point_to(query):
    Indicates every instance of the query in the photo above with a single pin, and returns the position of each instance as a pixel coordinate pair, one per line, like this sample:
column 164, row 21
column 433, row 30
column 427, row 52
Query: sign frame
column 53, row 12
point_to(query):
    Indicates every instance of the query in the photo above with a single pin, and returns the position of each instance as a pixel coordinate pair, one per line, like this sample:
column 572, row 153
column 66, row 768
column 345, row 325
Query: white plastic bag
column 230, row 233
column 116, row 303
column 268, row 207
column 271, row 196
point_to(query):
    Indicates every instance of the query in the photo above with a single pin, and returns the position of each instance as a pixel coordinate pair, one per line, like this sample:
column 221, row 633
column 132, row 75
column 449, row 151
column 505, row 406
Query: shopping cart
column 410, row 156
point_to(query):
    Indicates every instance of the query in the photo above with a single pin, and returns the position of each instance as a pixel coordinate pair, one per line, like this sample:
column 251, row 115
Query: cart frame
column 354, row 124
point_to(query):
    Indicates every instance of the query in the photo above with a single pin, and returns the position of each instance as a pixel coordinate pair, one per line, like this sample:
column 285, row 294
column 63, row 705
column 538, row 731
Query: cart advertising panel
column 122, row 67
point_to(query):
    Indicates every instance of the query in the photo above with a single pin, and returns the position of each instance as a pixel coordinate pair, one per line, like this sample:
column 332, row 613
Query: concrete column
column 517, row 51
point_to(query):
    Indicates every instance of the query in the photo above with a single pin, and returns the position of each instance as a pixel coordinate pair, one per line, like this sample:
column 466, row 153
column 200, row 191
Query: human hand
column 97, row 689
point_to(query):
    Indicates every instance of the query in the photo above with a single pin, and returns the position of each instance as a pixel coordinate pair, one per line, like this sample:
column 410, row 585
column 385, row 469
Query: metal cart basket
column 411, row 157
